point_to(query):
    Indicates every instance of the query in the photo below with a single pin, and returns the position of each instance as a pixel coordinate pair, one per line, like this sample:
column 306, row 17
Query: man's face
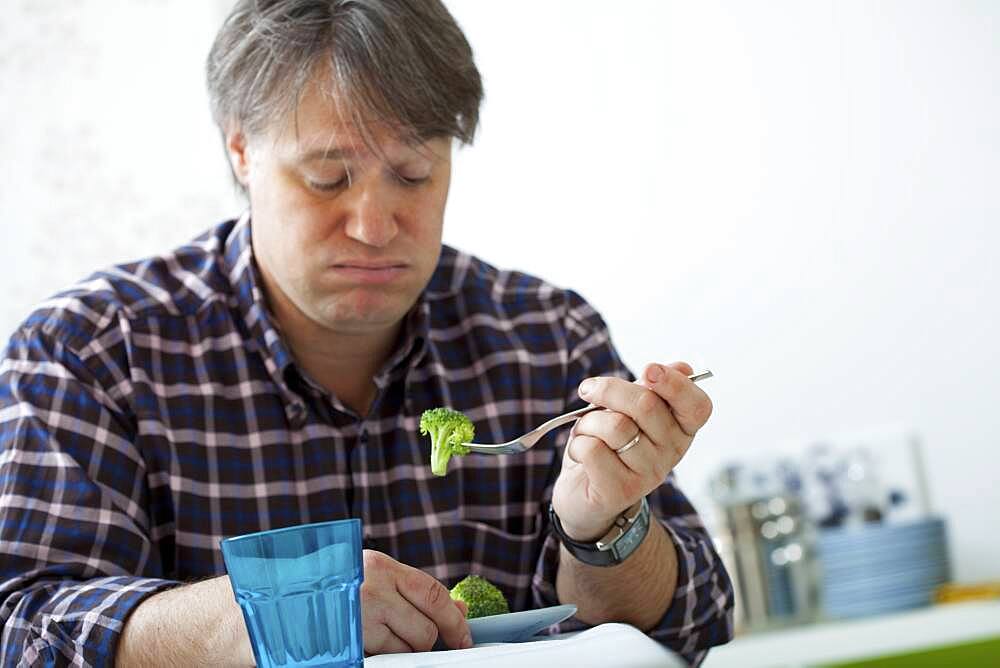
column 344, row 236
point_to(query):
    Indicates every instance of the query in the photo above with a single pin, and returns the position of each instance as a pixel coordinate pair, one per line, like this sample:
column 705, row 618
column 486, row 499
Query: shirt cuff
column 700, row 615
column 76, row 624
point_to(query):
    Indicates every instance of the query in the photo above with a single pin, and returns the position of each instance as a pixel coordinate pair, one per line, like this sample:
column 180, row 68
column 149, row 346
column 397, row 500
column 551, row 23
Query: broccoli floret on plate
column 449, row 431
column 481, row 596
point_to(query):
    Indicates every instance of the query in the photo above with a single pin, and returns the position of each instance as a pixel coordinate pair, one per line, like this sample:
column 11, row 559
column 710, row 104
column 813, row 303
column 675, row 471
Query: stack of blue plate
column 882, row 567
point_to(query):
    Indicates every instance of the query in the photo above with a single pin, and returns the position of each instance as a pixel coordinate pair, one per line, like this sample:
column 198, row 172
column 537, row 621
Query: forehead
column 323, row 123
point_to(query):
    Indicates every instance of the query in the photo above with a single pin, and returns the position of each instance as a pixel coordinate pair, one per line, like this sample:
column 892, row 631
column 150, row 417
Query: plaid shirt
column 154, row 409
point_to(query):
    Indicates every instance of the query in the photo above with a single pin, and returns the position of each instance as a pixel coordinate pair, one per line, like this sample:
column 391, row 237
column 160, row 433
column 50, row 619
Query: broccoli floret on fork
column 449, row 431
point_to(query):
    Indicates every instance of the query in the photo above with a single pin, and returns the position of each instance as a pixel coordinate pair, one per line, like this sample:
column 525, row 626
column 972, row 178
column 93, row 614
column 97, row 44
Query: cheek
column 286, row 237
column 429, row 211
column 297, row 245
column 293, row 224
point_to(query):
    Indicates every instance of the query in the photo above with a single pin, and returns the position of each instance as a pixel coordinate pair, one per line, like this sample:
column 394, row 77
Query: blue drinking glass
column 299, row 589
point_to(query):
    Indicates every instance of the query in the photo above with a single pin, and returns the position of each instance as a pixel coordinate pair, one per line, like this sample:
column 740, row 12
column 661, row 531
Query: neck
column 342, row 362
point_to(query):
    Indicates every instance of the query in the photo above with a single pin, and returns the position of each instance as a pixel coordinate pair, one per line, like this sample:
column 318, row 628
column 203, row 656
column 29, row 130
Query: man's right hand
column 404, row 610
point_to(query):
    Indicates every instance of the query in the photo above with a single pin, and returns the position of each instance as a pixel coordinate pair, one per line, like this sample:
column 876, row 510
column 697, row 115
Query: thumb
column 651, row 373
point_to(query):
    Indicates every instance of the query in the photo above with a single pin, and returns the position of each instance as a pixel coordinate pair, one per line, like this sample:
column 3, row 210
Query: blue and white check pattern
column 154, row 409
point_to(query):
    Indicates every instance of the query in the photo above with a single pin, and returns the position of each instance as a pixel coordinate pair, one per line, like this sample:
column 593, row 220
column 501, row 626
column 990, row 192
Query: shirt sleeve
column 75, row 552
column 701, row 613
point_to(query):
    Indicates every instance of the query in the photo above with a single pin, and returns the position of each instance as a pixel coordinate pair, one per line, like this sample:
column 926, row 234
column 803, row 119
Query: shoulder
column 467, row 294
column 462, row 277
column 175, row 284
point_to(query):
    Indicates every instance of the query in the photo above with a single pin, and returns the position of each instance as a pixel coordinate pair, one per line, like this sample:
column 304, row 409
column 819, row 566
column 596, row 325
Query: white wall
column 107, row 149
column 801, row 196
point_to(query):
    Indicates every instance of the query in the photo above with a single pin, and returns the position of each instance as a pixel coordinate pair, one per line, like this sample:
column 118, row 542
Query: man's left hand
column 664, row 408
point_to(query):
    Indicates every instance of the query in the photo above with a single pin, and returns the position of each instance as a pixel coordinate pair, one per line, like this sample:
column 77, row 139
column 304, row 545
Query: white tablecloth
column 604, row 646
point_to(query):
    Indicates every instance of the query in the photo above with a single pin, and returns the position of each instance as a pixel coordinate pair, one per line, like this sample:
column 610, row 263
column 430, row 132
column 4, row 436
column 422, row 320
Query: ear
column 239, row 154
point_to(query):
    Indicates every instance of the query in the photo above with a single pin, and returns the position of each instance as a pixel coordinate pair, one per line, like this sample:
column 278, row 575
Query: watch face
column 630, row 540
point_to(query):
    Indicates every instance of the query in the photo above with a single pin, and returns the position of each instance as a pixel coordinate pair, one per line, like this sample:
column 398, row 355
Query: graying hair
column 405, row 63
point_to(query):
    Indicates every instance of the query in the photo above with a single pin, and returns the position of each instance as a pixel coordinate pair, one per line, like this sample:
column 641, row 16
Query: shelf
column 852, row 640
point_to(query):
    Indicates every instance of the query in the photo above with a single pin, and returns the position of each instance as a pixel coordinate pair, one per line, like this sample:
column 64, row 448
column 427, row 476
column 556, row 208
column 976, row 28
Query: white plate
column 517, row 626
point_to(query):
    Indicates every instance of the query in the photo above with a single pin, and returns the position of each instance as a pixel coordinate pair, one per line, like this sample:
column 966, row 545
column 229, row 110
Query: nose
column 370, row 218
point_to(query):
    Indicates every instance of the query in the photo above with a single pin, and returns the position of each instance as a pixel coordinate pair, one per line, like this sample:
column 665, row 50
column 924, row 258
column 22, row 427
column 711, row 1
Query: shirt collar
column 244, row 277
column 411, row 345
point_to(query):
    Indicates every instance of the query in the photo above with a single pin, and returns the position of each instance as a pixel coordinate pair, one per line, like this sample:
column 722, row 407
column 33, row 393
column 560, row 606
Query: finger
column 431, row 598
column 388, row 618
column 602, row 463
column 378, row 594
column 411, row 626
column 614, row 428
column 617, row 430
column 683, row 367
column 463, row 607
column 569, row 461
column 643, row 405
column 381, row 640
column 689, row 404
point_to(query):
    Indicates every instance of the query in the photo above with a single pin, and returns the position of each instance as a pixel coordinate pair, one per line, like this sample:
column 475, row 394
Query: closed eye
column 411, row 181
column 328, row 186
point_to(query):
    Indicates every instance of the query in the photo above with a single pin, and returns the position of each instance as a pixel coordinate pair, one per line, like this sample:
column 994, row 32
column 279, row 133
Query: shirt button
column 296, row 415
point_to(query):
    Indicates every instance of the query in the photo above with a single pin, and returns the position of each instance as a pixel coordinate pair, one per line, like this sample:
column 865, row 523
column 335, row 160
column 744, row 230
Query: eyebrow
column 340, row 154
column 326, row 154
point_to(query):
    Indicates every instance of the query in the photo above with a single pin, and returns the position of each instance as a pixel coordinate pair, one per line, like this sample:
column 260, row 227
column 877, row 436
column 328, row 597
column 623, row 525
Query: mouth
column 369, row 272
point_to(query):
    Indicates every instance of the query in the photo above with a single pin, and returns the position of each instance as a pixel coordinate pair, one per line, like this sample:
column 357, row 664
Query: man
column 273, row 373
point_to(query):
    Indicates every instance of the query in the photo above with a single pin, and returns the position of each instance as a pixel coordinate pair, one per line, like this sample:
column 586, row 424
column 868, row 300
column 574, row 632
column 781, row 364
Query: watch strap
column 620, row 541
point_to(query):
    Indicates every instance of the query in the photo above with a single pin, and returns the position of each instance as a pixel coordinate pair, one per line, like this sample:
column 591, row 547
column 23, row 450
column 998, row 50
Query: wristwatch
column 616, row 545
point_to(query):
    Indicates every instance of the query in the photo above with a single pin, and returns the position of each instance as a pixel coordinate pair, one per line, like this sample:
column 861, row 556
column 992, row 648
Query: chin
column 368, row 316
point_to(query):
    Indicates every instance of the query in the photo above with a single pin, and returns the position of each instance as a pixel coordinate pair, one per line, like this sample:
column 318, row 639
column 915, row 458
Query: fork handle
column 566, row 418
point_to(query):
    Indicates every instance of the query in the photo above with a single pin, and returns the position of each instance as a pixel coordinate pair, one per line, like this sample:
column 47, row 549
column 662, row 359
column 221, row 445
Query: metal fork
column 527, row 441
